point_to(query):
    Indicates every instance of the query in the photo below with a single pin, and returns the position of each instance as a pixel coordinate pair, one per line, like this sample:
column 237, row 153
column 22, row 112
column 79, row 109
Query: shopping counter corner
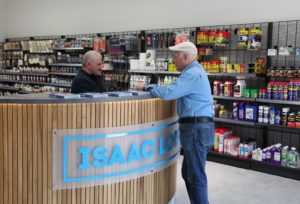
column 109, row 150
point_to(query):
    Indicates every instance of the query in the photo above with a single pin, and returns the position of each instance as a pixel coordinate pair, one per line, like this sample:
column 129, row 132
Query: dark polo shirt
column 84, row 82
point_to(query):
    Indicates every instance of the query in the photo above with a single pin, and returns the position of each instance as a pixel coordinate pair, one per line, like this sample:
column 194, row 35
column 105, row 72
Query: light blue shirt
column 192, row 91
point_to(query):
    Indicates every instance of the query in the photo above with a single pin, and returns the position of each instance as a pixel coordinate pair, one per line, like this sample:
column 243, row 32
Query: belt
column 195, row 120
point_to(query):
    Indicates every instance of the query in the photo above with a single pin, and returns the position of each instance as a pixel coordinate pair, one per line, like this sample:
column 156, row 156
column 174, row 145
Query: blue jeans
column 197, row 140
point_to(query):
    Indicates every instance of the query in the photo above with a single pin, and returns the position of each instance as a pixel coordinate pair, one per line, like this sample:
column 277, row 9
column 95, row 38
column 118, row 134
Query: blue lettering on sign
column 117, row 156
column 166, row 144
column 84, row 161
column 98, row 156
column 134, row 153
column 150, row 153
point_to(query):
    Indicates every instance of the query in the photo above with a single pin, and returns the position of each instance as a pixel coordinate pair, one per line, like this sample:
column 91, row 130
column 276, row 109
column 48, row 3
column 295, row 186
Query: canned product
column 216, row 88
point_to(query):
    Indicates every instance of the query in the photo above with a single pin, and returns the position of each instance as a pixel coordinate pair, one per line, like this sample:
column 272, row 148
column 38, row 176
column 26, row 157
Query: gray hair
column 89, row 57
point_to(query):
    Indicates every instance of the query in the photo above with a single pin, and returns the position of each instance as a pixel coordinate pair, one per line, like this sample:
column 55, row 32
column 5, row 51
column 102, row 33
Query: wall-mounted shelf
column 153, row 72
column 254, row 165
column 24, row 74
column 62, row 74
column 237, row 122
column 246, row 75
column 65, row 65
column 234, row 98
column 278, row 101
column 9, row 88
column 68, row 48
column 7, row 80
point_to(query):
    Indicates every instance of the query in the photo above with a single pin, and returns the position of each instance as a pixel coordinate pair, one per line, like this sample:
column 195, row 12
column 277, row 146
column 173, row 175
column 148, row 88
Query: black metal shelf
column 277, row 126
column 7, row 80
column 234, row 98
column 62, row 73
column 68, row 48
column 229, row 160
column 287, row 172
column 26, row 92
column 64, row 65
column 237, row 122
column 153, row 72
column 24, row 74
column 9, row 88
column 37, row 83
column 247, row 75
column 278, row 101
column 254, row 165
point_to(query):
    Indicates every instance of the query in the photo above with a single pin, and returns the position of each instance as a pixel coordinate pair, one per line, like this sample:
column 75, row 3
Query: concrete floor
column 231, row 185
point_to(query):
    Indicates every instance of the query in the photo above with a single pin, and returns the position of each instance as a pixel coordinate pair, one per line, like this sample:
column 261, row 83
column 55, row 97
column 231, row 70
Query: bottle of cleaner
column 239, row 87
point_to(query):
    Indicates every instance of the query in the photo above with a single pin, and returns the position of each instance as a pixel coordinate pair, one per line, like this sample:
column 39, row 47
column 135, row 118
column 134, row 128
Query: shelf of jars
column 69, row 48
column 10, row 88
column 62, row 73
column 37, row 83
column 65, row 65
column 24, row 73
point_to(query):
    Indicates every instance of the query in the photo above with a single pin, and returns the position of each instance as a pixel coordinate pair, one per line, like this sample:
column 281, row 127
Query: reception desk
column 27, row 125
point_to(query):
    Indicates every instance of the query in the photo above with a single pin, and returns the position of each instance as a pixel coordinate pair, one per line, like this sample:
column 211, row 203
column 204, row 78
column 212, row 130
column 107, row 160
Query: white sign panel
column 87, row 157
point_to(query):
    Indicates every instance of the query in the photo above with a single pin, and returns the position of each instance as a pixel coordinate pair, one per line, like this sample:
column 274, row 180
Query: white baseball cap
column 187, row 47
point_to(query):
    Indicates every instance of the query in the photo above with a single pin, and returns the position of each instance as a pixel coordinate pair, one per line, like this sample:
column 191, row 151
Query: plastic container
column 292, row 158
column 251, row 113
column 284, row 154
column 239, row 87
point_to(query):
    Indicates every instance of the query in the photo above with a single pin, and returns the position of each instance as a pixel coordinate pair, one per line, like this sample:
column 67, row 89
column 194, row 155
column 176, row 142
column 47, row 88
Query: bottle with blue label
column 241, row 108
column 277, row 117
column 272, row 115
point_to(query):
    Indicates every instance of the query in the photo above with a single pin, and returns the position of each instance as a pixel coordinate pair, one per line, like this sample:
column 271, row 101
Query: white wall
column 58, row 17
column 3, row 20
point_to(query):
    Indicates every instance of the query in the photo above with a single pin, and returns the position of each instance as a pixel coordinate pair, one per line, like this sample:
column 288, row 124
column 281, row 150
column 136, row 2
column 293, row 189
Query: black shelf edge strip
column 282, row 171
column 229, row 160
column 230, row 121
column 278, row 101
column 234, row 98
column 65, row 65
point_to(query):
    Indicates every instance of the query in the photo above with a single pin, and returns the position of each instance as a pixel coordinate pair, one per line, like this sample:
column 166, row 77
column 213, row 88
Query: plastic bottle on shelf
column 235, row 110
column 272, row 115
column 284, row 155
column 276, row 154
column 293, row 158
column 239, row 87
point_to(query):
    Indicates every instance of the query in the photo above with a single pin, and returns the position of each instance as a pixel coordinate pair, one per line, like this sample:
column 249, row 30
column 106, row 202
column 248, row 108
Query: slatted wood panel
column 26, row 152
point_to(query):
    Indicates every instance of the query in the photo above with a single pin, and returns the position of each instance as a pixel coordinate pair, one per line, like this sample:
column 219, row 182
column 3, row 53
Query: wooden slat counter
column 26, row 124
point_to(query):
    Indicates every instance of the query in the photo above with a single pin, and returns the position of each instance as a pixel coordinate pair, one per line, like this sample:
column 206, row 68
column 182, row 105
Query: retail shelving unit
column 280, row 34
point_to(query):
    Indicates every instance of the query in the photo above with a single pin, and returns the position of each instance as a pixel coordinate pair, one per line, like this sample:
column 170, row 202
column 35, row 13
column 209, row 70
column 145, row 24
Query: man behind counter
column 89, row 78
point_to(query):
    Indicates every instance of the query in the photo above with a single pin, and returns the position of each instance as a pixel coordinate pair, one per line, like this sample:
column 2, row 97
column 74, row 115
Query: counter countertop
column 43, row 98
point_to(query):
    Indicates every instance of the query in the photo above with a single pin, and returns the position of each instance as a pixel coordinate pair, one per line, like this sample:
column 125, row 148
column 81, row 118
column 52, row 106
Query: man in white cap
column 194, row 107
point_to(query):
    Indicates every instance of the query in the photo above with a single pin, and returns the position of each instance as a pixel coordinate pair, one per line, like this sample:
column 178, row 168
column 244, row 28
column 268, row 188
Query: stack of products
column 277, row 155
column 281, row 91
